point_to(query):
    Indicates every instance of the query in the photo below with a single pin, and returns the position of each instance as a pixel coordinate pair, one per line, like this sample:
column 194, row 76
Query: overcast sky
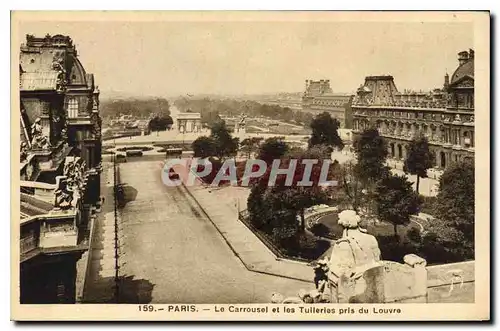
column 171, row 58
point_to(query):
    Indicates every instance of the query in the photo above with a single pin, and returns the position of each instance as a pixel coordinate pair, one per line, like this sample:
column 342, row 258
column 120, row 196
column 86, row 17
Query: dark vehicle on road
column 172, row 153
column 120, row 157
column 134, row 152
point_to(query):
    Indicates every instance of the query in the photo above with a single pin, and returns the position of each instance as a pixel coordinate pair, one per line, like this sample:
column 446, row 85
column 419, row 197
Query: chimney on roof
column 463, row 57
column 446, row 80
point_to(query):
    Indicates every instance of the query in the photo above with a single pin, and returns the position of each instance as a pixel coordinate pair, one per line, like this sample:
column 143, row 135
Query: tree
column 250, row 145
column 419, row 159
column 272, row 148
column 371, row 151
column 455, row 209
column 325, row 131
column 160, row 123
column 351, row 187
column 210, row 117
column 396, row 200
column 167, row 121
column 204, row 147
column 225, row 144
column 293, row 196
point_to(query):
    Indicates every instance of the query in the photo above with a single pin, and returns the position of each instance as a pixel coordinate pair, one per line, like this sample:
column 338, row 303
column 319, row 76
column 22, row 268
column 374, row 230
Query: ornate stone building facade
column 318, row 97
column 60, row 164
column 444, row 115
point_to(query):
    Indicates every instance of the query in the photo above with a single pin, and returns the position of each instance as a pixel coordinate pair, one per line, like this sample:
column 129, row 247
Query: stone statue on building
column 74, row 171
column 64, row 132
column 24, row 151
column 38, row 139
column 57, row 65
column 96, row 125
column 63, row 194
column 355, row 252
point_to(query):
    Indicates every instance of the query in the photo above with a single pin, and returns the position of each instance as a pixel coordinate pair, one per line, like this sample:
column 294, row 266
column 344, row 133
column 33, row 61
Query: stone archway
column 442, row 160
column 400, row 151
column 393, row 152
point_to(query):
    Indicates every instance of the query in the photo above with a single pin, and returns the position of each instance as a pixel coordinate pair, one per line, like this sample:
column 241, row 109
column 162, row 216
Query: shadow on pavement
column 135, row 290
column 125, row 194
column 130, row 290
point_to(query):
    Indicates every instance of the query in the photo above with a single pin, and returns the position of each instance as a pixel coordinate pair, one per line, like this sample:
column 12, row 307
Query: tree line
column 137, row 107
column 211, row 110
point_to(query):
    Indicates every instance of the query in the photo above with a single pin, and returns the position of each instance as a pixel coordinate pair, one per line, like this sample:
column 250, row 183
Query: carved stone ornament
column 24, row 151
column 74, row 171
column 30, row 169
column 57, row 65
column 39, row 140
column 63, row 193
column 96, row 125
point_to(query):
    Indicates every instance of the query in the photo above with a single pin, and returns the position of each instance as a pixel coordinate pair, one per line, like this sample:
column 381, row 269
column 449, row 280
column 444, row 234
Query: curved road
column 171, row 253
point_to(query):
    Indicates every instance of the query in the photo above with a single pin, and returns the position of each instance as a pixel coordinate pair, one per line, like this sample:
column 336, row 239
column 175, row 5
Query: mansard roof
column 466, row 69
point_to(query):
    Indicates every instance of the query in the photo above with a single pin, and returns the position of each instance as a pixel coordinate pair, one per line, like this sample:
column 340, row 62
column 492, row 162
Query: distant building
column 444, row 115
column 60, row 165
column 188, row 122
column 318, row 97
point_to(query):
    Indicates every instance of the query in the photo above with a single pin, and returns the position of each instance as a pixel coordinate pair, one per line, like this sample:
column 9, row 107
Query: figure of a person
column 321, row 275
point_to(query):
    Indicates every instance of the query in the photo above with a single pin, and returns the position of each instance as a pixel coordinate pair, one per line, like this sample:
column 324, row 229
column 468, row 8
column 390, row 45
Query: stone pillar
column 367, row 287
column 419, row 273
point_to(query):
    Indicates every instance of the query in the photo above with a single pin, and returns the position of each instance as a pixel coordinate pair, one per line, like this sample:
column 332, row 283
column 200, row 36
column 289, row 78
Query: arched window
column 72, row 108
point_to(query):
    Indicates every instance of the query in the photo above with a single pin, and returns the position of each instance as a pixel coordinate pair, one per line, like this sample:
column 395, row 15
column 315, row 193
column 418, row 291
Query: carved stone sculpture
column 63, row 194
column 24, row 151
column 74, row 171
column 352, row 253
column 96, row 125
column 57, row 65
column 39, row 140
column 64, row 132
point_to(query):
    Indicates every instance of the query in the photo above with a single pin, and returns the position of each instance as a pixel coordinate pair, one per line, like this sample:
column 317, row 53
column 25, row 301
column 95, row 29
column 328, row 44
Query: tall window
column 467, row 139
column 72, row 108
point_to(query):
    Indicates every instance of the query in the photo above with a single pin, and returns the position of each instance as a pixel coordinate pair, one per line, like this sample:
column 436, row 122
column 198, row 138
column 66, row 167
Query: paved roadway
column 171, row 253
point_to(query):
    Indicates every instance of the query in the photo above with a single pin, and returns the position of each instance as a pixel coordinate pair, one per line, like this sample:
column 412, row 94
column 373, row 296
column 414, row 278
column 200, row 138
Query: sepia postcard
column 256, row 166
